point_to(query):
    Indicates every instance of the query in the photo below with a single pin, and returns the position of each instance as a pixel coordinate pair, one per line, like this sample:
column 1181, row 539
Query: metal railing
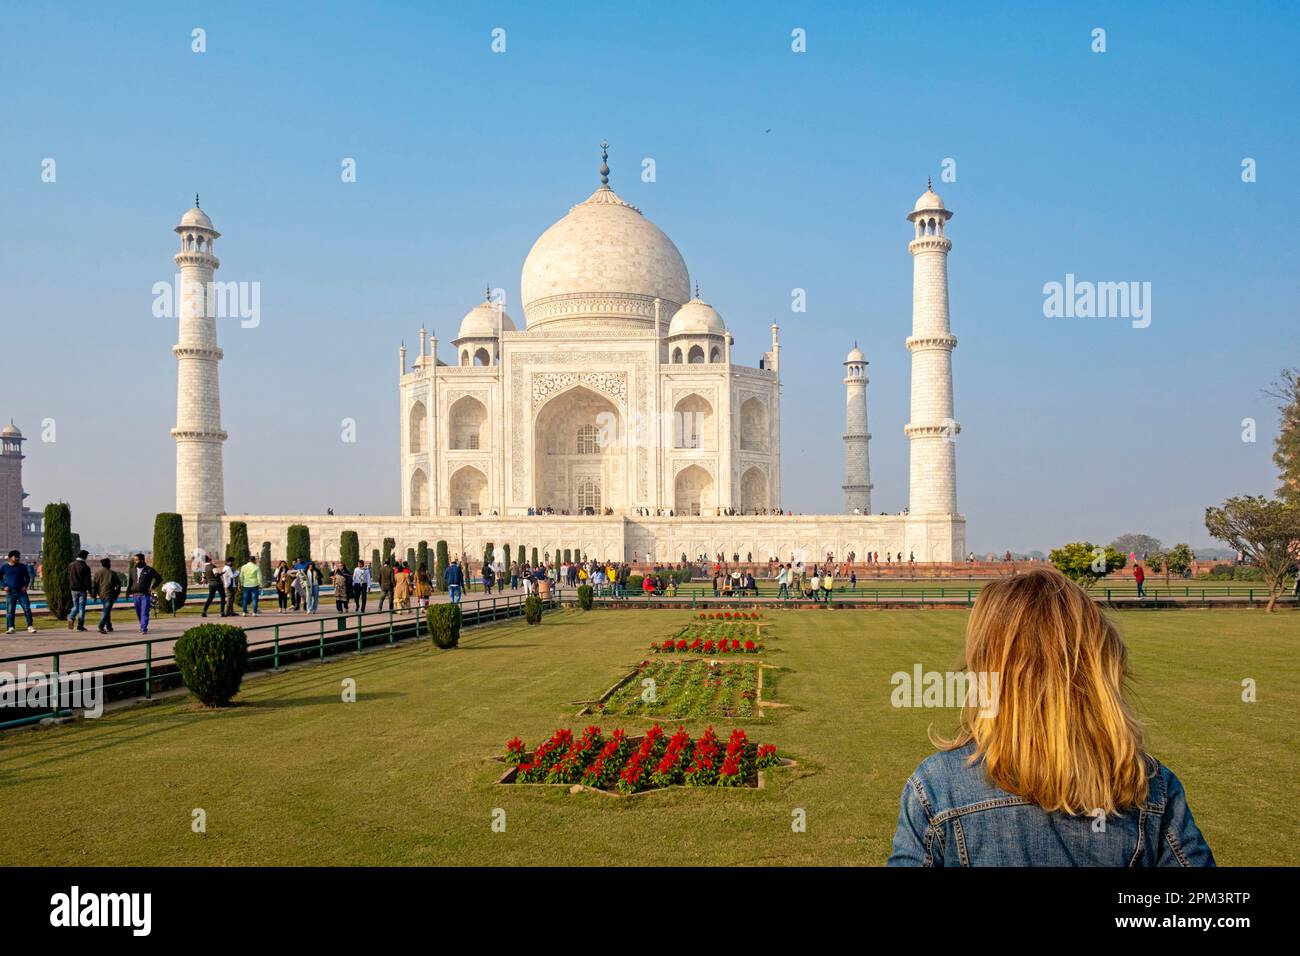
column 274, row 645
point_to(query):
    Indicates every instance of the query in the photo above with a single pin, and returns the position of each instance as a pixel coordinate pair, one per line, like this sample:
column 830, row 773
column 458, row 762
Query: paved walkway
column 94, row 651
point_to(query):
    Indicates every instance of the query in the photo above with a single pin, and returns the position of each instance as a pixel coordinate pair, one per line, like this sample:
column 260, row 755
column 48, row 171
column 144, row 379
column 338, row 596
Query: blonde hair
column 1061, row 733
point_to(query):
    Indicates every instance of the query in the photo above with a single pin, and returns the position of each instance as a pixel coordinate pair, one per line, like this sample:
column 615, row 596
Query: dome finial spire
column 697, row 288
column 196, row 201
column 929, row 184
column 604, row 163
column 487, row 292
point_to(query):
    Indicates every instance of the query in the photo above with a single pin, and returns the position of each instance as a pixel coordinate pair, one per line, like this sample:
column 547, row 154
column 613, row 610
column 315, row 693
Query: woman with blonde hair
column 1048, row 766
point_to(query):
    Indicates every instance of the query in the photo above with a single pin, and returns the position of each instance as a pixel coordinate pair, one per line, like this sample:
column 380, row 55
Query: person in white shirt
column 360, row 586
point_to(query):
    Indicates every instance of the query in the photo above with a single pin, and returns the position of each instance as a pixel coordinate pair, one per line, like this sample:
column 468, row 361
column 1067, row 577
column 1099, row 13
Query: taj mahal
column 620, row 418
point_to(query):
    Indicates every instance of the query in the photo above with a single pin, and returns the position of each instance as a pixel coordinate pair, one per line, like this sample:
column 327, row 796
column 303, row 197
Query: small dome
column 194, row 216
column 930, row 200
column 855, row 355
column 697, row 318
column 481, row 322
column 10, row 431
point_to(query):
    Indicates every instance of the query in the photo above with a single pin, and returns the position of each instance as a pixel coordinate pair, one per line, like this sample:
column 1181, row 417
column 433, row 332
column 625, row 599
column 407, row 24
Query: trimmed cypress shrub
column 389, row 547
column 535, row 562
column 349, row 549
column 521, row 556
column 76, row 544
column 169, row 555
column 238, row 545
column 444, row 624
column 533, row 609
column 422, row 555
column 568, row 556
column 584, row 596
column 299, row 543
column 212, row 659
column 410, row 557
column 264, row 562
column 505, row 559
column 56, row 555
column 374, row 562
column 634, row 582
column 444, row 562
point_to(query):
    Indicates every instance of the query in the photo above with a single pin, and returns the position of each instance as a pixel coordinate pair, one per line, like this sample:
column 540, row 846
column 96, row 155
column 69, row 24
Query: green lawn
column 295, row 776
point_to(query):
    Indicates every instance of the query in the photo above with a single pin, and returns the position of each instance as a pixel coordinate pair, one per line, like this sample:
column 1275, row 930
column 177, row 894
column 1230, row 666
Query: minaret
column 857, row 461
column 932, row 431
column 200, row 483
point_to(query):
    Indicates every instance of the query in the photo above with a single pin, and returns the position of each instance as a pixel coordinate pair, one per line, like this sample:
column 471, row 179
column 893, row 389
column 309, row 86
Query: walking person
column 814, row 585
column 281, row 578
column 387, row 583
column 828, row 583
column 1139, row 576
column 340, row 579
column 360, row 587
column 230, row 581
column 454, row 578
column 16, row 578
column 140, row 583
column 402, row 587
column 312, row 591
column 424, row 586
column 105, row 586
column 783, row 583
column 211, row 576
column 250, row 581
column 79, row 584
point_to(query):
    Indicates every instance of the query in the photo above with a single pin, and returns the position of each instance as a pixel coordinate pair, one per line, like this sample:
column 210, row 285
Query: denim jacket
column 951, row 815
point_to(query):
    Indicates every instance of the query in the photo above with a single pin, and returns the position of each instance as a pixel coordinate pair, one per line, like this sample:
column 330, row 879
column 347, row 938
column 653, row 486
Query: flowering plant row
column 700, row 646
column 687, row 688
column 730, row 616
column 656, row 760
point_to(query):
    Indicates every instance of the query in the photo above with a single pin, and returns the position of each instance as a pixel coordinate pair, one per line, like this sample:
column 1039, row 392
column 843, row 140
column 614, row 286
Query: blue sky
column 1115, row 166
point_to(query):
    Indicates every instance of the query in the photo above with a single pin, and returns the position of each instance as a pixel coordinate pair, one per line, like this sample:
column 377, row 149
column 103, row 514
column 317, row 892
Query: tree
column 521, row 556
column 1177, row 560
column 56, row 555
column 1265, row 530
column 389, row 547
column 299, row 543
column 349, row 549
column 444, row 562
column 238, row 543
column 505, row 557
column 169, row 555
column 410, row 557
column 1143, row 545
column 76, row 544
column 487, row 554
column 535, row 561
column 1287, row 444
column 422, row 555
column 264, row 562
column 374, row 561
column 1085, row 563
column 568, row 556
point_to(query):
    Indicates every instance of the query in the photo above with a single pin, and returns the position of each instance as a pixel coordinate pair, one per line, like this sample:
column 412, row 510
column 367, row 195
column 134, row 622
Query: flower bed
column 687, row 689
column 729, row 616
column 628, row 765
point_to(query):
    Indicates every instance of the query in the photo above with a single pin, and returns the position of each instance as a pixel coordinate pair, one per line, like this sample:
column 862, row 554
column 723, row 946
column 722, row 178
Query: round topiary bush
column 444, row 624
column 584, row 597
column 533, row 609
column 212, row 659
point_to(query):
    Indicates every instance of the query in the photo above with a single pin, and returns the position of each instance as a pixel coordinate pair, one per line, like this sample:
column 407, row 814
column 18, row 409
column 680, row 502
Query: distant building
column 20, row 527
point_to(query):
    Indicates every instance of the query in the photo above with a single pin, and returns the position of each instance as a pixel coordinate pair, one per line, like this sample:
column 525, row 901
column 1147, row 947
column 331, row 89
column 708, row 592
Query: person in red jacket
column 1139, row 576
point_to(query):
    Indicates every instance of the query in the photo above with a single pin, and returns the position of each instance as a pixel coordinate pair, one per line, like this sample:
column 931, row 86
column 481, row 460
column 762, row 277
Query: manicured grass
column 295, row 776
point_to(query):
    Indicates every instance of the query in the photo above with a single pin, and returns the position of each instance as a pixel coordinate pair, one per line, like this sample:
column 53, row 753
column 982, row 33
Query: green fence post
column 1251, row 592
column 54, row 679
column 275, row 650
column 968, row 598
column 148, row 670
column 358, row 631
column 322, row 638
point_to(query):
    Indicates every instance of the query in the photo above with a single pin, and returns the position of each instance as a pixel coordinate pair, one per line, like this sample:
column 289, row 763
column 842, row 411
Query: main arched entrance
column 579, row 462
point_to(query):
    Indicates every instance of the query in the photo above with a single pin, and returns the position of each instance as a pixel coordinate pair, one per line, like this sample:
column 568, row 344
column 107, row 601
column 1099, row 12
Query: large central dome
column 602, row 266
